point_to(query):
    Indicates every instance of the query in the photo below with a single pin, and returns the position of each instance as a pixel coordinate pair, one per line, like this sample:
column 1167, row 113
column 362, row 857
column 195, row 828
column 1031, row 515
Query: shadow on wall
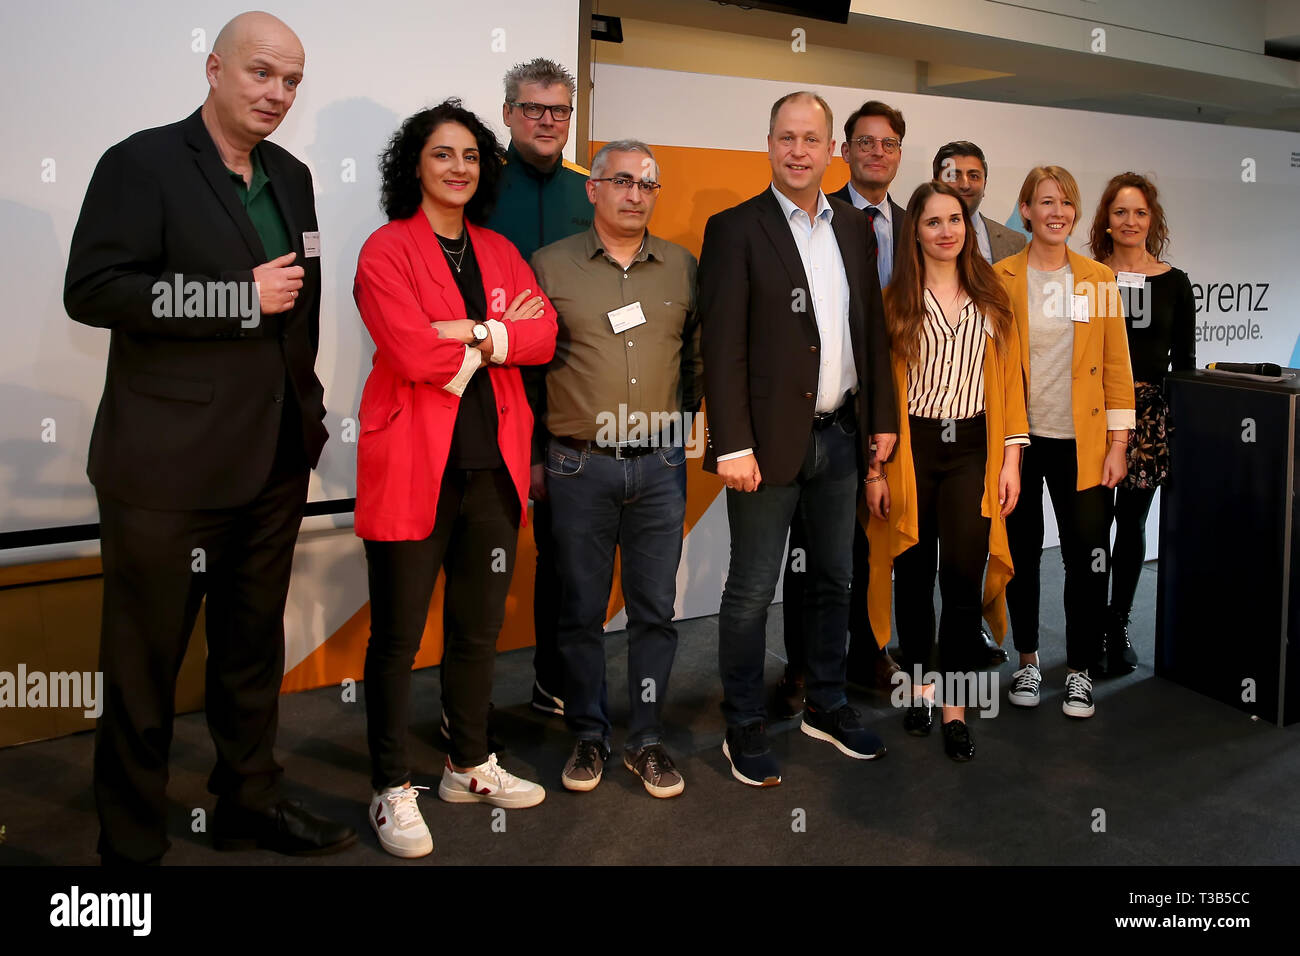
column 350, row 136
column 50, row 388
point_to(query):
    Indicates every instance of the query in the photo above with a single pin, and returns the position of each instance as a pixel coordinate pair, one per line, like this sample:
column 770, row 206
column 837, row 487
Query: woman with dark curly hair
column 1129, row 234
column 443, row 454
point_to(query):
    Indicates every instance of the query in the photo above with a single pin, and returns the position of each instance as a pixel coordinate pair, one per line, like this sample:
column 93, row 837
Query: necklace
column 464, row 245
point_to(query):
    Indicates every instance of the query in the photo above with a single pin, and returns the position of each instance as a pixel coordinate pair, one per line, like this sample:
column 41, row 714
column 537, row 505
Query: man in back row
column 543, row 199
column 961, row 164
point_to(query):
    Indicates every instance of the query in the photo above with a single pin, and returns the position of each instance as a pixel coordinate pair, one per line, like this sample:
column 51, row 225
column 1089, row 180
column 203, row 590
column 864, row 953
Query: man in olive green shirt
column 621, row 397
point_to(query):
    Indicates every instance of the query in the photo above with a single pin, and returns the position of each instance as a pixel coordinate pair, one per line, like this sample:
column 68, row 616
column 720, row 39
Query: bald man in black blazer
column 197, row 248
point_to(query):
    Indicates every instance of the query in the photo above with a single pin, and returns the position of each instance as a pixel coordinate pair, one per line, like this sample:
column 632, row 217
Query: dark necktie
column 872, row 212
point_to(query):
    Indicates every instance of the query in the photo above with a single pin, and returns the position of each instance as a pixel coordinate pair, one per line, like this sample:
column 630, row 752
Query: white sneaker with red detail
column 397, row 822
column 488, row 783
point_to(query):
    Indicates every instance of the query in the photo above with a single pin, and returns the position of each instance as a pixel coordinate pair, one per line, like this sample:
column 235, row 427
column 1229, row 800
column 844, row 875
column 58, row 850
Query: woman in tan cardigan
column 956, row 473
column 1079, row 395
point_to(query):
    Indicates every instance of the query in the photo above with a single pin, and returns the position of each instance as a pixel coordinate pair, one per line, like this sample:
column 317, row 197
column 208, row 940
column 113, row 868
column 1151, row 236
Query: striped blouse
column 947, row 379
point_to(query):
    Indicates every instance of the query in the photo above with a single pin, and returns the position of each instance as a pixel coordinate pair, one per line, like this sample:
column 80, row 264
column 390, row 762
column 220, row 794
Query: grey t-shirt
column 1051, row 352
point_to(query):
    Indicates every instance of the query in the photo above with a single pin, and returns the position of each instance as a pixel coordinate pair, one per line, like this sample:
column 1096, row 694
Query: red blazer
column 410, row 400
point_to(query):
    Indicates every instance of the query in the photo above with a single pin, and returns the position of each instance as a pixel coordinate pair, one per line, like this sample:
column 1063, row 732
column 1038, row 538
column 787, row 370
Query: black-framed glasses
column 626, row 184
column 868, row 143
column 534, row 111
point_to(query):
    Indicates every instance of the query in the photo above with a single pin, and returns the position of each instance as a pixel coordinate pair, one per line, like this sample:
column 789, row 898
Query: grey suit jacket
column 1003, row 242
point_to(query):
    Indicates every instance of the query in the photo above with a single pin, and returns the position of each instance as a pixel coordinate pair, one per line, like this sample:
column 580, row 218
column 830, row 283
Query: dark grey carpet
column 1180, row 778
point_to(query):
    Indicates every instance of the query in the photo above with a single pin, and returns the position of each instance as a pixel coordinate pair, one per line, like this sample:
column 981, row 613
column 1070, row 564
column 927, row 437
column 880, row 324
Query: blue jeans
column 823, row 498
column 638, row 505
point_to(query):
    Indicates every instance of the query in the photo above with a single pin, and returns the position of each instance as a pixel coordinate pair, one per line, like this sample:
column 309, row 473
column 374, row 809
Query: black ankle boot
column 1120, row 657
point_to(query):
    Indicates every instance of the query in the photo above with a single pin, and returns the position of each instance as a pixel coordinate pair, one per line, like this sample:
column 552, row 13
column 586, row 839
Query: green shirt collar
column 250, row 191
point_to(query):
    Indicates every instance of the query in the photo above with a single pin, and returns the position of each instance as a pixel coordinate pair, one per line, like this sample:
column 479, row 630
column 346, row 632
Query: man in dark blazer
column 796, row 364
column 873, row 149
column 962, row 165
column 197, row 248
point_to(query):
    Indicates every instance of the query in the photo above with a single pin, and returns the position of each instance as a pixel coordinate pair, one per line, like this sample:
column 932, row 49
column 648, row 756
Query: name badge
column 1079, row 308
column 311, row 245
column 628, row 317
column 1130, row 280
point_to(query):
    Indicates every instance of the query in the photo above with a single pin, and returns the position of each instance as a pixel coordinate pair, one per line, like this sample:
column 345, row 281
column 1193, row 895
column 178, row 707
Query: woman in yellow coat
column 1079, row 395
column 955, row 475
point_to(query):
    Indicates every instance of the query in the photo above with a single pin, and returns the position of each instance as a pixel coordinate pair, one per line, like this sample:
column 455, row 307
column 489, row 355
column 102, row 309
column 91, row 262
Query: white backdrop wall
column 81, row 75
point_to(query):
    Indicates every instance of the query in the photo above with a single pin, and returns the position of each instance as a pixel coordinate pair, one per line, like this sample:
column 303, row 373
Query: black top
column 474, row 440
column 1161, row 321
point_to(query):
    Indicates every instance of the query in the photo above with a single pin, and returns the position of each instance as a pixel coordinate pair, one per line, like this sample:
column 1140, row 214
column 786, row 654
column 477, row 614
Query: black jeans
column 863, row 651
column 823, row 496
column 949, row 458
column 473, row 540
column 1131, row 508
column 548, row 667
column 1083, row 518
column 154, row 582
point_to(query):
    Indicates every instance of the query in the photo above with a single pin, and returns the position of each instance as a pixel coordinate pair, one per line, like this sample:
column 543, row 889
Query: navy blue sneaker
column 843, row 728
column 747, row 750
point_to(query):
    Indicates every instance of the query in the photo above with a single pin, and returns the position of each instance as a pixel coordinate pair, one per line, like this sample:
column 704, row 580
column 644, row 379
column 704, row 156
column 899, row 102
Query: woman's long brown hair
column 1100, row 242
column 905, row 294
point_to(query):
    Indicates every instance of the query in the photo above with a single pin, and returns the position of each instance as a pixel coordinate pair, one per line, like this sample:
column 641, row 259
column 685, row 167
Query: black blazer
column 896, row 214
column 761, row 355
column 191, row 409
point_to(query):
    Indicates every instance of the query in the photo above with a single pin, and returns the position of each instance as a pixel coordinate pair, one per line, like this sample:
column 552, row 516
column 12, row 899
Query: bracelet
column 870, row 478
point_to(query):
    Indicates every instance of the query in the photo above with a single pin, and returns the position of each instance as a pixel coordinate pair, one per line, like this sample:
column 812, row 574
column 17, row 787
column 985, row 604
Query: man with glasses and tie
column 543, row 199
column 873, row 148
column 621, row 390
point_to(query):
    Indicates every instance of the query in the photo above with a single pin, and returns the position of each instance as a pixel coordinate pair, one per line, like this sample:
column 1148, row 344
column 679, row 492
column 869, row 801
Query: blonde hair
column 1057, row 174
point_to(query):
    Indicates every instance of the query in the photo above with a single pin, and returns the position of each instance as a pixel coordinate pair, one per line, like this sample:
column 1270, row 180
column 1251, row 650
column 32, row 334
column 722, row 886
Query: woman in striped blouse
column 956, row 473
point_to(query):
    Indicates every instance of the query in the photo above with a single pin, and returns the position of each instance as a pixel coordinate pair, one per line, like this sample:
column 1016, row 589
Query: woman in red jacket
column 443, row 455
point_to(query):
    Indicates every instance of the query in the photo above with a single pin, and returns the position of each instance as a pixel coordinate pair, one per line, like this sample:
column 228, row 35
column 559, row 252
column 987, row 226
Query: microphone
column 1247, row 368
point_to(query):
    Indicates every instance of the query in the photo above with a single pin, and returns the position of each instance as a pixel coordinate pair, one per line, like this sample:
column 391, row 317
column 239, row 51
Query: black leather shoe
column 787, row 698
column 919, row 720
column 995, row 656
column 871, row 671
column 286, row 827
column 957, row 743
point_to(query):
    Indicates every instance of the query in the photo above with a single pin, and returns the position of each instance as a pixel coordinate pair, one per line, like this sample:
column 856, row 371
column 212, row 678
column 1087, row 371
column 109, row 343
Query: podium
column 1227, row 611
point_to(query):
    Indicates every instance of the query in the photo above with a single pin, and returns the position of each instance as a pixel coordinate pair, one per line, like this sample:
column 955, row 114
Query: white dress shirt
column 883, row 225
column 982, row 236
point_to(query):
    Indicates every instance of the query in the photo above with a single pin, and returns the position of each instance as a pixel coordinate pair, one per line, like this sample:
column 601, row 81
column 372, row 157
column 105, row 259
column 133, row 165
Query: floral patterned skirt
column 1148, row 444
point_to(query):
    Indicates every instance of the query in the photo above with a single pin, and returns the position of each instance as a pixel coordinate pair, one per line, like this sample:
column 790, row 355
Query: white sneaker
column 1025, row 684
column 397, row 822
column 488, row 783
column 1078, row 695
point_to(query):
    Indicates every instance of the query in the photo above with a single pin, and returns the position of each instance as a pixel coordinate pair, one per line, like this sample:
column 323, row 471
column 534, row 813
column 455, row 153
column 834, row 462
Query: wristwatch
column 481, row 332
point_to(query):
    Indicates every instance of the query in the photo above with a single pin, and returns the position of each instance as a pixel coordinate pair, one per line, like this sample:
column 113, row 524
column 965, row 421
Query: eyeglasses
column 626, row 184
column 560, row 113
column 868, row 143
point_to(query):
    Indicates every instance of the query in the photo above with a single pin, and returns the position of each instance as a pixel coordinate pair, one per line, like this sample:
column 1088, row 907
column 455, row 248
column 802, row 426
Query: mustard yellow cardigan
column 1004, row 411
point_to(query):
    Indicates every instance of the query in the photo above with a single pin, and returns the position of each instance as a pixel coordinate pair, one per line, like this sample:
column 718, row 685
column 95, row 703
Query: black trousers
column 158, row 566
column 1083, row 518
column 862, row 650
column 473, row 540
column 1131, row 508
column 949, row 459
column 548, row 666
